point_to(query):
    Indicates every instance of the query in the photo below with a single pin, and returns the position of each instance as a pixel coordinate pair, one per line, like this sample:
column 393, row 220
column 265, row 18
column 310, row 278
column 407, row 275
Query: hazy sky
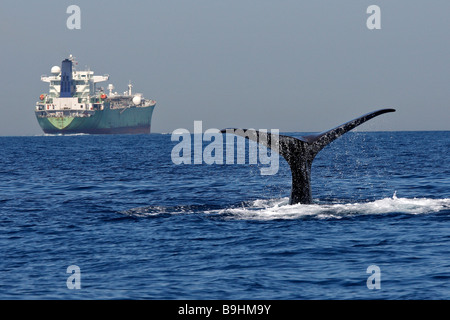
column 265, row 64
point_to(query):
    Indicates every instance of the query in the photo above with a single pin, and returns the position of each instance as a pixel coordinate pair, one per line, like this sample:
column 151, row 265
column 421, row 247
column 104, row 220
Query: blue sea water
column 140, row 227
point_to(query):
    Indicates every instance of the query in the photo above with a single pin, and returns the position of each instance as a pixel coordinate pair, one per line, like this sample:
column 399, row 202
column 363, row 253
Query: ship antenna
column 74, row 62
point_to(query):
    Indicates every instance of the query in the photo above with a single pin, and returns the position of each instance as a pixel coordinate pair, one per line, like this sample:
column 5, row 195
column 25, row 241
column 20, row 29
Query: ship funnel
column 67, row 89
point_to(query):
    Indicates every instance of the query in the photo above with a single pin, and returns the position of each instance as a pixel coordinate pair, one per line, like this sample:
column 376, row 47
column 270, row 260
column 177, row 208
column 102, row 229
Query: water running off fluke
column 300, row 152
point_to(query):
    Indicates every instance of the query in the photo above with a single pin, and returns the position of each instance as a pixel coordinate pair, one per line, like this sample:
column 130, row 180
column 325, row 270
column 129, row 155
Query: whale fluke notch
column 300, row 152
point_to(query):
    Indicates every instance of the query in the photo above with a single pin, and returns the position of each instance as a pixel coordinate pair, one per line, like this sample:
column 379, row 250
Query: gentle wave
column 161, row 210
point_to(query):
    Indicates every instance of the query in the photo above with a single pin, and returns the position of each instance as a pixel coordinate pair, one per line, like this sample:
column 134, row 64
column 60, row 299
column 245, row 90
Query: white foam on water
column 276, row 209
column 61, row 135
column 280, row 209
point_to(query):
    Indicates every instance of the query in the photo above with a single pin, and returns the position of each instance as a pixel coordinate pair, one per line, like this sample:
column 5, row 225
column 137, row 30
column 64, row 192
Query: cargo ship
column 74, row 104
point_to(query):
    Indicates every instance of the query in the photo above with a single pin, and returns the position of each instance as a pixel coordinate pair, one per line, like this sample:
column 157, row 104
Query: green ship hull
column 133, row 120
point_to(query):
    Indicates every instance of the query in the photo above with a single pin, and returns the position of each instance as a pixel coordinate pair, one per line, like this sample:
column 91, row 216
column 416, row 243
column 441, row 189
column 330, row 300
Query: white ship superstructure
column 77, row 95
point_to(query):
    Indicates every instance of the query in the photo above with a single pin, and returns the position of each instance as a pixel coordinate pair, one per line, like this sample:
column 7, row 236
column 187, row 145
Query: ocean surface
column 138, row 226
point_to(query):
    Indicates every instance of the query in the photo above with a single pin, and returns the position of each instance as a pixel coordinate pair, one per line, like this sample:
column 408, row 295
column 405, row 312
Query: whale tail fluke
column 324, row 138
column 300, row 152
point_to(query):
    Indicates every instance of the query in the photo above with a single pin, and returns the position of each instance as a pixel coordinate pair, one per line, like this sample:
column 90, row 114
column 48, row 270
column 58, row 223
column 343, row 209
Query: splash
column 276, row 209
column 279, row 209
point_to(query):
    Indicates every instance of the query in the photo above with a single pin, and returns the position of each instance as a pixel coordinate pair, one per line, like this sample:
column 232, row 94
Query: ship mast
column 129, row 88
